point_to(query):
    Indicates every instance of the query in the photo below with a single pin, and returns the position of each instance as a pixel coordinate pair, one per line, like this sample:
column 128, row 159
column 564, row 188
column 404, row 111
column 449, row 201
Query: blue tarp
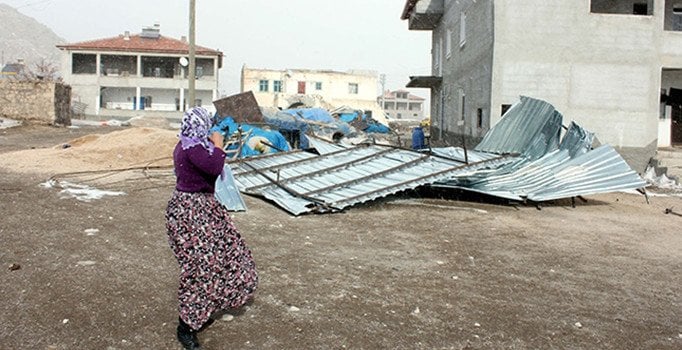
column 314, row 114
column 372, row 125
column 274, row 139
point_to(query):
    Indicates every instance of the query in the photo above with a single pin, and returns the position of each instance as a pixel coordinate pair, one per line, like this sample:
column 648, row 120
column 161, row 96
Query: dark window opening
column 639, row 9
column 622, row 7
column 505, row 108
column 479, row 118
column 160, row 67
column 83, row 63
column 118, row 65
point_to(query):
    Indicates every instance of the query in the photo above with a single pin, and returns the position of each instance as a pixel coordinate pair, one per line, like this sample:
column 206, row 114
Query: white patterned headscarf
column 194, row 129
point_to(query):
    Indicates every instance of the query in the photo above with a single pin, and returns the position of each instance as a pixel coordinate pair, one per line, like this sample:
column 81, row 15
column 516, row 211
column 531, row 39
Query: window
column 277, row 85
column 318, row 86
column 301, row 87
column 263, row 85
column 505, row 108
column 83, row 63
column 479, row 118
column 622, row 7
column 677, row 19
column 448, row 43
column 353, row 88
column 639, row 9
column 462, row 29
column 437, row 57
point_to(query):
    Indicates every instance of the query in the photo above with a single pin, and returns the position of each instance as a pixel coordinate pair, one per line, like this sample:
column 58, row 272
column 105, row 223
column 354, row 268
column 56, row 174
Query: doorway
column 676, row 124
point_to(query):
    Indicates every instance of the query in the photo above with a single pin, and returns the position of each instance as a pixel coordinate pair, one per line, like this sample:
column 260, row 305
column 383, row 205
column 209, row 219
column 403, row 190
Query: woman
column 217, row 269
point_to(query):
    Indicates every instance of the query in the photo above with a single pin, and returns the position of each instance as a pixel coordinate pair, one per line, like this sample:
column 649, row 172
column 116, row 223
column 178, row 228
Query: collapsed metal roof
column 522, row 158
column 302, row 182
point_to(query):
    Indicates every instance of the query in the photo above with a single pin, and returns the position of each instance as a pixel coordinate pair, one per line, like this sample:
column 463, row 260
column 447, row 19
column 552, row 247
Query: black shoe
column 187, row 337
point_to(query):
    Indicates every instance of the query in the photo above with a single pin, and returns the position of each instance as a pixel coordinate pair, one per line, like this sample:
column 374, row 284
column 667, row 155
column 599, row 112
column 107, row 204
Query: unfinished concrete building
column 129, row 75
column 614, row 67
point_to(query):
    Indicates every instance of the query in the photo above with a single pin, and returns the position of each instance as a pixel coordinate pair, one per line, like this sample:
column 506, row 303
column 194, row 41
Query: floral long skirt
column 217, row 268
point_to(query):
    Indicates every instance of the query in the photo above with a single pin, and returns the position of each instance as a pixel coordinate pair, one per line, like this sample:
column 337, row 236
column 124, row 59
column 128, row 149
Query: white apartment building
column 313, row 88
column 605, row 64
column 129, row 75
column 402, row 105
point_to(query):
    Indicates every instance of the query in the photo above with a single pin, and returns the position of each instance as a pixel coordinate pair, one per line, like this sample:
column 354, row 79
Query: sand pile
column 117, row 150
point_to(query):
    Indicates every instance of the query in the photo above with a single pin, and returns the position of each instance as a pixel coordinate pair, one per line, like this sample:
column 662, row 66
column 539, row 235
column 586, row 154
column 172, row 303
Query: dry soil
column 407, row 272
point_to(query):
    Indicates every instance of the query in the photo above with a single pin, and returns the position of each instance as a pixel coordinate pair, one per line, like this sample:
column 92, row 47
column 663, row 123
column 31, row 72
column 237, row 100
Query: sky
column 307, row 34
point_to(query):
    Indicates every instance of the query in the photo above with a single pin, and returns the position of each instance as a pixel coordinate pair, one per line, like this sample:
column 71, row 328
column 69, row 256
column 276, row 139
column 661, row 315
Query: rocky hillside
column 22, row 37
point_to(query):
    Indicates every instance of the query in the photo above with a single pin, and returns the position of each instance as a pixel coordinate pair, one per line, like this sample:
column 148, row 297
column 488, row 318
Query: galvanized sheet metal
column 307, row 183
column 521, row 158
column 556, row 176
column 530, row 127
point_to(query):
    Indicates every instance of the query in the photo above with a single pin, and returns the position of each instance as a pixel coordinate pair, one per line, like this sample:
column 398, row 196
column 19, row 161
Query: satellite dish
column 184, row 61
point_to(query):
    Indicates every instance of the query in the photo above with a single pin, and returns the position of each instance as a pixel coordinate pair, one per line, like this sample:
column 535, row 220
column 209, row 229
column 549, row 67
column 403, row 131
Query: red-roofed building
column 128, row 74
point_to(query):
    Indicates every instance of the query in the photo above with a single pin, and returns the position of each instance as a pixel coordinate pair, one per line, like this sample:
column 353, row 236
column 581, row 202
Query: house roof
column 137, row 43
column 12, row 68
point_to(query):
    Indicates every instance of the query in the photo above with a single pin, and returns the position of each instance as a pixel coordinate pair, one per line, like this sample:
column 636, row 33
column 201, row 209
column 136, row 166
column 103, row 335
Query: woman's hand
column 217, row 139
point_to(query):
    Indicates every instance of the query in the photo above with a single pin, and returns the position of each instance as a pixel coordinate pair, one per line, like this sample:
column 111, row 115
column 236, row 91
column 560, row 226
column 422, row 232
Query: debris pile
column 523, row 158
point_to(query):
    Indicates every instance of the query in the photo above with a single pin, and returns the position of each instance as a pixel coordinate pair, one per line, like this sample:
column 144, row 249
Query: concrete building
column 313, row 88
column 130, row 75
column 605, row 64
column 402, row 105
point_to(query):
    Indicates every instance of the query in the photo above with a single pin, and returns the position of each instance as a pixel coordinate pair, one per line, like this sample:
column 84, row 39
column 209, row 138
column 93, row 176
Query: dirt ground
column 408, row 272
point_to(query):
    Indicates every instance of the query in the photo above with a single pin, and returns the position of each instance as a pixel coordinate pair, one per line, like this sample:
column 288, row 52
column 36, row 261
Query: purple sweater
column 196, row 170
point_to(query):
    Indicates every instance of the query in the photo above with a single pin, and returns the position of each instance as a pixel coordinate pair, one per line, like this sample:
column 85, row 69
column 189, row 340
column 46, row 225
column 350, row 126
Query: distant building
column 132, row 74
column 314, row 88
column 12, row 69
column 402, row 105
column 611, row 66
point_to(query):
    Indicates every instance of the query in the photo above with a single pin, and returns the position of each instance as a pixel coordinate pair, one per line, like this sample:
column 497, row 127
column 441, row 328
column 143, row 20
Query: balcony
column 423, row 14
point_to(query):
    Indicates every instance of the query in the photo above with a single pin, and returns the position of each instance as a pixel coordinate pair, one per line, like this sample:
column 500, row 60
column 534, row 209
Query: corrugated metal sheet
column 568, row 169
column 227, row 193
column 521, row 158
column 457, row 153
column 324, row 147
column 555, row 176
column 301, row 182
column 531, row 127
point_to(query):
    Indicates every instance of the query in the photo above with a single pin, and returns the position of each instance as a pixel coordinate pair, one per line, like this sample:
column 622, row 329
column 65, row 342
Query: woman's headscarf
column 194, row 129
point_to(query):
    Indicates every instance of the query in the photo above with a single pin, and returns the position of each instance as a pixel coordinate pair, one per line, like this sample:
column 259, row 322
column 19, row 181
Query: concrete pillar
column 98, row 63
column 139, row 66
column 138, row 91
column 182, row 99
column 98, row 100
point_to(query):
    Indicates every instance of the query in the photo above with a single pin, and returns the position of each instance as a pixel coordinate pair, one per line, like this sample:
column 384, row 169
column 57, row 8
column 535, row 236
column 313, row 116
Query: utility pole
column 382, row 78
column 192, row 54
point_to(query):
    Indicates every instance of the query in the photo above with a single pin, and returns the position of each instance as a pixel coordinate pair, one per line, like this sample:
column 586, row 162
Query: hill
column 22, row 37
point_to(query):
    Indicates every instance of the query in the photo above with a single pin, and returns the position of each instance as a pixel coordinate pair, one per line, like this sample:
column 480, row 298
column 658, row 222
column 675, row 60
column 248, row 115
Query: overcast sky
column 311, row 34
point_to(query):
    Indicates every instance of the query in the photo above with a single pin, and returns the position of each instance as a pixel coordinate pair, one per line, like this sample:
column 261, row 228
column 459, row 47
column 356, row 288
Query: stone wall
column 36, row 102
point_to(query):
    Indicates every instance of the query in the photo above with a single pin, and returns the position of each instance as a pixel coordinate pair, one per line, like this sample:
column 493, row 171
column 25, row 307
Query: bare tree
column 41, row 71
